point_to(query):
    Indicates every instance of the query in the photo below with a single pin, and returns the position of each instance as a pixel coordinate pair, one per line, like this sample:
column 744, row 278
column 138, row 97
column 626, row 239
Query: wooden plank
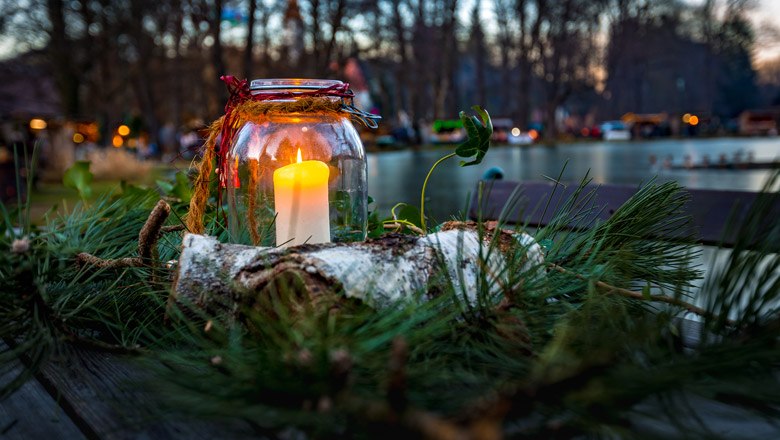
column 710, row 210
column 31, row 413
column 111, row 399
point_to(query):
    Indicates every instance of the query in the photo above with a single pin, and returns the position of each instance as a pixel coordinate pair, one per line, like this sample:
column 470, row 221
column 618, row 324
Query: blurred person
column 168, row 141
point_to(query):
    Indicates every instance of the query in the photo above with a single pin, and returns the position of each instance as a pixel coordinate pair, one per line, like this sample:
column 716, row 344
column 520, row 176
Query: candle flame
column 299, row 156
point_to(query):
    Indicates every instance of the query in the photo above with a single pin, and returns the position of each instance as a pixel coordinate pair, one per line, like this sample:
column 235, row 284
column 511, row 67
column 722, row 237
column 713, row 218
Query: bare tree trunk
column 448, row 49
column 216, row 56
column 315, row 33
column 141, row 74
column 401, row 87
column 62, row 57
column 265, row 15
column 177, row 69
column 504, row 23
column 250, row 39
column 336, row 22
column 478, row 50
column 379, row 272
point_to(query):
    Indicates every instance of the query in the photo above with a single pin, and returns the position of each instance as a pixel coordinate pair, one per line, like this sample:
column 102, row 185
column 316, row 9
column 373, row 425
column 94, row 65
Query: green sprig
column 479, row 130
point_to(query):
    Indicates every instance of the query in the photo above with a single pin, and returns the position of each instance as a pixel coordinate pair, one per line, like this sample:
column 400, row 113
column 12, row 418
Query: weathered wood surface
column 378, row 272
column 31, row 413
column 711, row 211
column 109, row 397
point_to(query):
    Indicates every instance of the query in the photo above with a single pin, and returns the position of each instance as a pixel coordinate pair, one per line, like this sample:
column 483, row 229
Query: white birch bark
column 378, row 272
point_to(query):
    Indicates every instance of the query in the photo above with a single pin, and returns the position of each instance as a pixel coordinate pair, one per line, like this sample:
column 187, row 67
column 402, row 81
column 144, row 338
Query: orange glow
column 686, row 118
column 299, row 156
column 123, row 130
column 37, row 124
column 694, row 120
column 78, row 138
column 585, row 131
column 117, row 141
column 534, row 134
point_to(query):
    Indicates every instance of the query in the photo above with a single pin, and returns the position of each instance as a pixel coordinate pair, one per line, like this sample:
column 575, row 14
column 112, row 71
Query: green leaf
column 375, row 226
column 408, row 213
column 165, row 186
column 182, row 189
column 129, row 190
column 646, row 292
column 79, row 178
column 479, row 133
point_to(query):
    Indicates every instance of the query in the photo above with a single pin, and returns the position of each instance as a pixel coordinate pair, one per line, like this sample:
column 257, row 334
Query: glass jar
column 296, row 174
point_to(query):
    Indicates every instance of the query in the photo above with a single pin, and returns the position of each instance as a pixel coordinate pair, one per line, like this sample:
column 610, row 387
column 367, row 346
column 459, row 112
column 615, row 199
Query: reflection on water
column 398, row 176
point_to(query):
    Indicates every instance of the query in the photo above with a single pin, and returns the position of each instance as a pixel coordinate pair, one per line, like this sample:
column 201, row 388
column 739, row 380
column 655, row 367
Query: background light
column 515, row 131
column 37, row 124
column 117, row 141
column 78, row 138
column 123, row 130
column 694, row 120
column 686, row 118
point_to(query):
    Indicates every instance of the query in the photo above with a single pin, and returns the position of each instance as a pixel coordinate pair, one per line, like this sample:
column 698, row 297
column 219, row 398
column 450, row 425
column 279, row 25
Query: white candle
column 301, row 203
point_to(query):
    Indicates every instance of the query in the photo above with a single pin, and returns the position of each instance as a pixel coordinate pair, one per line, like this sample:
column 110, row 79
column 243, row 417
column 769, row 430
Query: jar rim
column 273, row 84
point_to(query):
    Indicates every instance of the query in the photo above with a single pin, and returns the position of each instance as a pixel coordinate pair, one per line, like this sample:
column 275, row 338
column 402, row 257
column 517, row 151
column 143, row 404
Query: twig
column 147, row 240
column 639, row 295
column 86, row 259
column 172, row 228
column 396, row 388
column 398, row 224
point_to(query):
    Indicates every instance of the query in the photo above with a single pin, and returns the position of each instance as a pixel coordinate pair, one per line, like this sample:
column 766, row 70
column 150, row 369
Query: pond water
column 397, row 176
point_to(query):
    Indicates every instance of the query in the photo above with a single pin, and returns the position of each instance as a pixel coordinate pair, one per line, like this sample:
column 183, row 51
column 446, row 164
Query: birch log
column 378, row 272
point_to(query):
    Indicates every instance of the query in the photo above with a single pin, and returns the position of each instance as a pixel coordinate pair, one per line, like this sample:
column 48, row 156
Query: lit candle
column 301, row 202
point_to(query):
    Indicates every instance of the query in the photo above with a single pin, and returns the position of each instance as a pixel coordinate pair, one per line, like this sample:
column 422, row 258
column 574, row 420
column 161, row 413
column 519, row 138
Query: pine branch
column 147, row 241
column 639, row 295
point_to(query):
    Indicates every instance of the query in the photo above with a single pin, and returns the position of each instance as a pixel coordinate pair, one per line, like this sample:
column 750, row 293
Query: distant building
column 759, row 122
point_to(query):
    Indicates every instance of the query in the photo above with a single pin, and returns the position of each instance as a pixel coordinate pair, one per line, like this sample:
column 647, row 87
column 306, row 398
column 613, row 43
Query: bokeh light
column 117, row 141
column 37, row 124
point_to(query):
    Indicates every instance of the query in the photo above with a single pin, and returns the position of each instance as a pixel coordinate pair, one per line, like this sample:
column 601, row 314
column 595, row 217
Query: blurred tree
column 531, row 15
column 161, row 59
column 67, row 61
column 250, row 38
column 505, row 42
column 734, row 43
column 566, row 55
column 479, row 53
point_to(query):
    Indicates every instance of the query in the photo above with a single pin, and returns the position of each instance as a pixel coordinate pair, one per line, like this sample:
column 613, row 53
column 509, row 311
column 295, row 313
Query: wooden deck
column 712, row 211
column 96, row 395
